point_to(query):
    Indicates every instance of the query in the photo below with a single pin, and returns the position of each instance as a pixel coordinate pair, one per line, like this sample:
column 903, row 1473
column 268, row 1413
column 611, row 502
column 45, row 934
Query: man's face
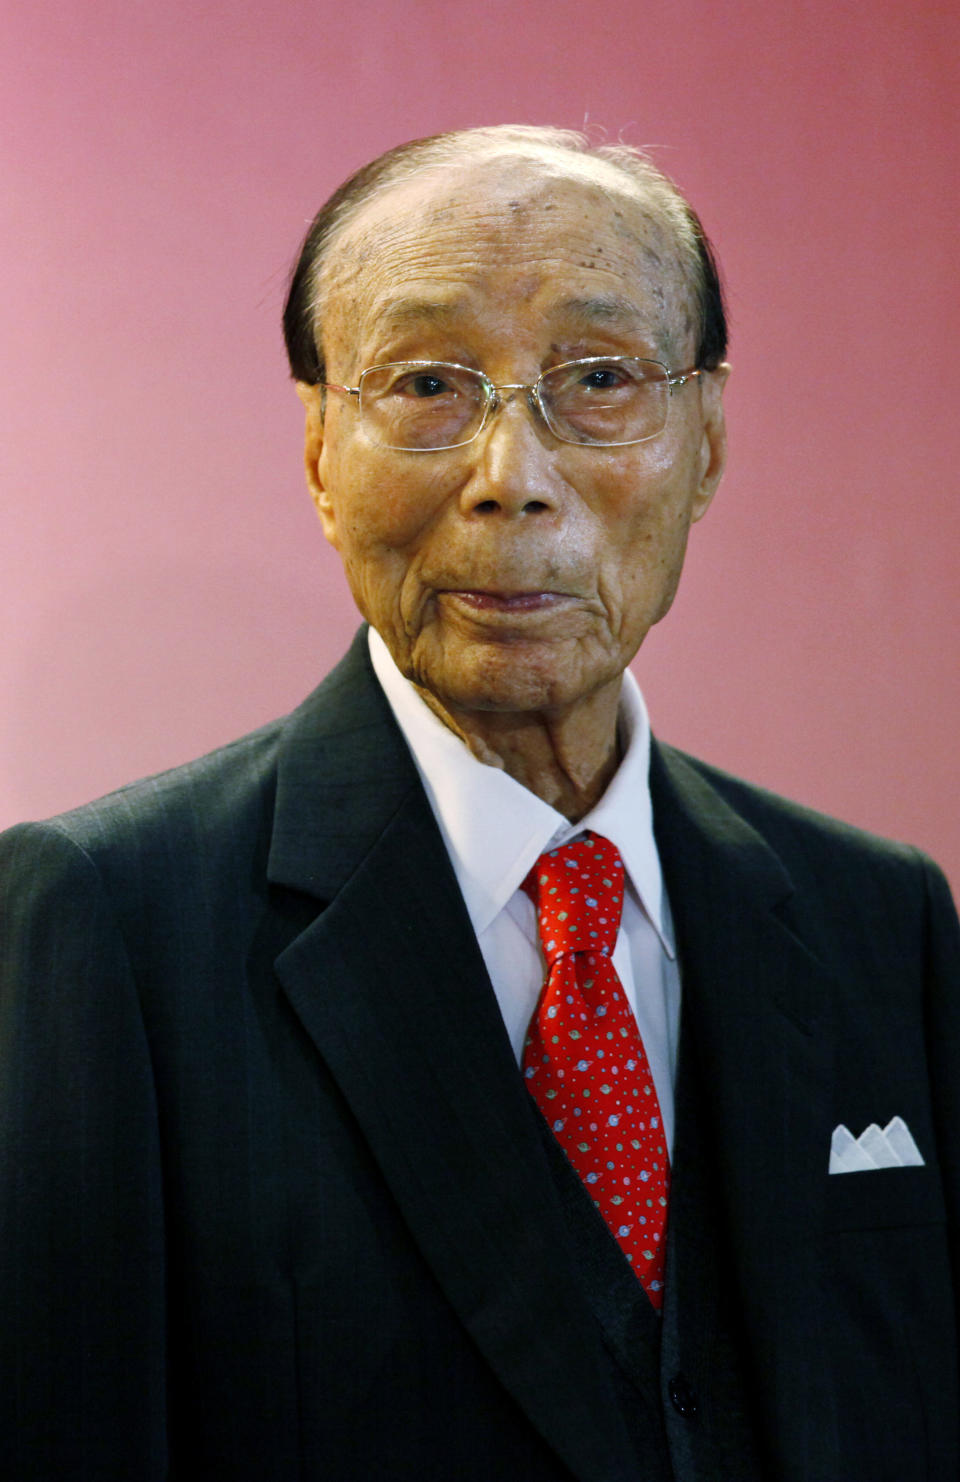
column 518, row 573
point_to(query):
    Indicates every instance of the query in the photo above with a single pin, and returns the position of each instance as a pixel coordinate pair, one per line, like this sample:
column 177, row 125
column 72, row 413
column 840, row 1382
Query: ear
column 312, row 398
column 713, row 442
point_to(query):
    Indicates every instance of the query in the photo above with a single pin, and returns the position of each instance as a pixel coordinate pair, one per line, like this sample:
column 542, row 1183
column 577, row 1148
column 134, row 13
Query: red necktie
column 584, row 1060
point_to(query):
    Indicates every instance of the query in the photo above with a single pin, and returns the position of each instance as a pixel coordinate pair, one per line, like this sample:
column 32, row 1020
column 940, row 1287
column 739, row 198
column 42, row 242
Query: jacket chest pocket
column 884, row 1199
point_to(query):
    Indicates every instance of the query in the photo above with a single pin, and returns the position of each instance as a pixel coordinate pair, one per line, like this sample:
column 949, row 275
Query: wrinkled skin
column 513, row 579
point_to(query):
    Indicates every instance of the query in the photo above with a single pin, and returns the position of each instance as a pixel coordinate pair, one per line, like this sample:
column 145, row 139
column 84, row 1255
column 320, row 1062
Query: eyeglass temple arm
column 680, row 378
column 333, row 386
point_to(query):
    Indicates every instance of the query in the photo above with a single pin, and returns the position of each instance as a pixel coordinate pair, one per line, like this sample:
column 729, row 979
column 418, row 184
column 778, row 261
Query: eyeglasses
column 426, row 406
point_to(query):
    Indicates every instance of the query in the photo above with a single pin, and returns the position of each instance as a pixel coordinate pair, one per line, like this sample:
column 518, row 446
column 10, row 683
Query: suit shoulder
column 791, row 826
column 180, row 831
column 218, row 794
column 844, row 883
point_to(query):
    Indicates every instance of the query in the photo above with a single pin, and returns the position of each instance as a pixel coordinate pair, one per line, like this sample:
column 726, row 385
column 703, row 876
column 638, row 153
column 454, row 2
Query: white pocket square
column 890, row 1147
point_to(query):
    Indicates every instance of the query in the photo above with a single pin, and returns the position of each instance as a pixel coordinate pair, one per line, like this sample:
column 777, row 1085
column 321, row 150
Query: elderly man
column 450, row 1081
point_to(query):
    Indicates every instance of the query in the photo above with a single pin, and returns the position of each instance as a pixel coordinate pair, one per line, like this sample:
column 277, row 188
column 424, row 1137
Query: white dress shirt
column 495, row 829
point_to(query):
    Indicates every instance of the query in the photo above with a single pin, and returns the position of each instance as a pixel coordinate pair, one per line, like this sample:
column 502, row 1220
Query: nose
column 513, row 469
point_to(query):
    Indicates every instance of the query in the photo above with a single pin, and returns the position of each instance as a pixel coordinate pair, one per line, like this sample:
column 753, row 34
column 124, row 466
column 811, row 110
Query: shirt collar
column 495, row 829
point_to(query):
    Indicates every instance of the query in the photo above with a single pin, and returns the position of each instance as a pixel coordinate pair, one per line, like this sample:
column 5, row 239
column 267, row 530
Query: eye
column 604, row 378
column 428, row 386
column 423, row 385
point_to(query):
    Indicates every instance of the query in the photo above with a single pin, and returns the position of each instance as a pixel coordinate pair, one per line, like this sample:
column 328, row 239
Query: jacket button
column 683, row 1397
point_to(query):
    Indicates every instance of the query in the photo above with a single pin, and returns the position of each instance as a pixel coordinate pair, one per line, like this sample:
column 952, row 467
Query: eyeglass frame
column 493, row 401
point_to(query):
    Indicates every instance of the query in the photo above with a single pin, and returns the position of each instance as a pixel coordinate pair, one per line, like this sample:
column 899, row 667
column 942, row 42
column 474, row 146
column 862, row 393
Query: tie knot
column 578, row 894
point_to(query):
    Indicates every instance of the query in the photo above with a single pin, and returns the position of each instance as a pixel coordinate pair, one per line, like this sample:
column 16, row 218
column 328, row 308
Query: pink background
column 165, row 585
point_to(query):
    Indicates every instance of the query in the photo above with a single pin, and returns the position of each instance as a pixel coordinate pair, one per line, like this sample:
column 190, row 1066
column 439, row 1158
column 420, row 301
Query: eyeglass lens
column 427, row 406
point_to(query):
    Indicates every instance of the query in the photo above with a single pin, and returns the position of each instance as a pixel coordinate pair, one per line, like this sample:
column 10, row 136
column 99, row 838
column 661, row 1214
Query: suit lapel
column 757, row 1033
column 414, row 1037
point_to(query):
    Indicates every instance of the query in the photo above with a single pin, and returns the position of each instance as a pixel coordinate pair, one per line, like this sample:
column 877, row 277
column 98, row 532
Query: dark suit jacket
column 276, row 1204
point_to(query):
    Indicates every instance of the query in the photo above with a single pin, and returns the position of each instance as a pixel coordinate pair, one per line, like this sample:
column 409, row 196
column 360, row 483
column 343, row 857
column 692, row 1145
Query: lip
column 508, row 602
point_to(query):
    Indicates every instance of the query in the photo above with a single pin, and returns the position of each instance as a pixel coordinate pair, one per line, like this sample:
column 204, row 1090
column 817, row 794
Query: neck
column 567, row 757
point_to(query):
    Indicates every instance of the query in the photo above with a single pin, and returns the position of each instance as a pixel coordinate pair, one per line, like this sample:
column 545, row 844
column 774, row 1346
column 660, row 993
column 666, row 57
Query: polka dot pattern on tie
column 584, row 1061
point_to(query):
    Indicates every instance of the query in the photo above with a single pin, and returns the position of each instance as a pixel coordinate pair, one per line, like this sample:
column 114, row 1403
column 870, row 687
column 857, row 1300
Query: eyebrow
column 604, row 307
column 611, row 310
column 405, row 313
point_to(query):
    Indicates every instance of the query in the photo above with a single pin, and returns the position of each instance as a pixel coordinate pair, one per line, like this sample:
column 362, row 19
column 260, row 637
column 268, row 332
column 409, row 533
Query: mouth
column 508, row 602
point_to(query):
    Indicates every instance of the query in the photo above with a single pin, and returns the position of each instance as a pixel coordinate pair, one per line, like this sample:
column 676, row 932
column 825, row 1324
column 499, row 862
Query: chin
column 499, row 681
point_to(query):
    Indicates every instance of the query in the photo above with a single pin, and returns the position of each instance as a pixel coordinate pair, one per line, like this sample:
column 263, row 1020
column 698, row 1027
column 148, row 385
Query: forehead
column 507, row 239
